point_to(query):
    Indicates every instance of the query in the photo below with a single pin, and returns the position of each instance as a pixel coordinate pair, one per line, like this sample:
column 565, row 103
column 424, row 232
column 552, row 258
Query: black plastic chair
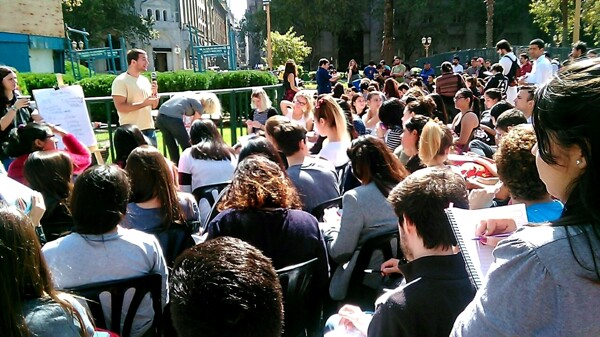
column 346, row 179
column 209, row 192
column 302, row 301
column 173, row 240
column 319, row 210
column 358, row 293
column 142, row 285
column 214, row 211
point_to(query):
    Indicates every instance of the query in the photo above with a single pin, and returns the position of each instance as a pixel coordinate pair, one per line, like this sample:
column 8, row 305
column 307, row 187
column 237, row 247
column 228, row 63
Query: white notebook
column 478, row 257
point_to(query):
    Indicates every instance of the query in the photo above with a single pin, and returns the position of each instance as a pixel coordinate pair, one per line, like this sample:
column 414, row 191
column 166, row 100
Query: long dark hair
column 150, row 177
column 99, row 199
column 290, row 68
column 207, row 142
column 473, row 101
column 24, row 274
column 440, row 111
column 372, row 161
column 4, row 101
column 21, row 140
column 566, row 115
column 49, row 172
column 390, row 89
column 127, row 137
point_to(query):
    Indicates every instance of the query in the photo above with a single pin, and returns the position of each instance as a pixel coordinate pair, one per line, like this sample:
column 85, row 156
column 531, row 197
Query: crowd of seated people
column 104, row 222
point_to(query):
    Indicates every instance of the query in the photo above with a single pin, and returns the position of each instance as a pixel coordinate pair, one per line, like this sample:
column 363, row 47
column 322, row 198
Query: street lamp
column 426, row 41
column 80, row 44
column 266, row 4
column 556, row 40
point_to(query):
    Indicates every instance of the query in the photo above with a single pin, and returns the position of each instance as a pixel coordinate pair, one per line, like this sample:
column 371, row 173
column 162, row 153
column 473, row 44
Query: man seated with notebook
column 437, row 285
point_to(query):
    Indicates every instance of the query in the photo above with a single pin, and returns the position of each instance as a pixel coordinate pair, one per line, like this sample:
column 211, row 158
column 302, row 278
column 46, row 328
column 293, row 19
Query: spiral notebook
column 478, row 257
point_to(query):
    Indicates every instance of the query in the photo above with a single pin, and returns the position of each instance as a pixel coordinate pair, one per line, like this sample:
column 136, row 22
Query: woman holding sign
column 41, row 137
column 545, row 280
column 14, row 108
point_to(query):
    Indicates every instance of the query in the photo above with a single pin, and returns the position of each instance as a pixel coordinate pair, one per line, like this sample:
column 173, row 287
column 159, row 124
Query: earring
column 578, row 162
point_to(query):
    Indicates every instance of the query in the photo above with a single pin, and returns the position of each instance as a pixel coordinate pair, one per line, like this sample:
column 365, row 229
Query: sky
column 238, row 7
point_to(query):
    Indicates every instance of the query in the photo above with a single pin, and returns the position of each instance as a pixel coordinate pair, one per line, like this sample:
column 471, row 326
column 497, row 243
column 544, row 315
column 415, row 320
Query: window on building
column 164, row 15
column 149, row 12
column 157, row 15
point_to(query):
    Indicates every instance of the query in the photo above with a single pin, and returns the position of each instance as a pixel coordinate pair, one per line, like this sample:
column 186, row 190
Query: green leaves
column 288, row 46
column 99, row 18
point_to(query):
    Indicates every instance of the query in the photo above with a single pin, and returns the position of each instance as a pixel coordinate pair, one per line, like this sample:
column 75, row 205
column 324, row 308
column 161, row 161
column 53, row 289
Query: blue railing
column 235, row 102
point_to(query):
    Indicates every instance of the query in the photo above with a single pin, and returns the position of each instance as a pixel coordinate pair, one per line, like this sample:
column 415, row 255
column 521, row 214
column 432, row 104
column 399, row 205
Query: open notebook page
column 479, row 257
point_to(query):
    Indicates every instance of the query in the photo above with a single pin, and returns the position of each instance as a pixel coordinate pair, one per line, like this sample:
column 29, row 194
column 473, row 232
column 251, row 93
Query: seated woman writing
column 41, row 137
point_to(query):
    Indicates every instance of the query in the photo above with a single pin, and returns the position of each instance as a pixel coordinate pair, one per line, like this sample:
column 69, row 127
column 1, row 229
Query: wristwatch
column 12, row 107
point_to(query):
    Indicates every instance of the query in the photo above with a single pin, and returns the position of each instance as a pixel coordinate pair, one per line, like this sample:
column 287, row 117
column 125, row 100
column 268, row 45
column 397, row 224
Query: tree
column 288, row 46
column 387, row 45
column 116, row 17
column 550, row 16
column 489, row 23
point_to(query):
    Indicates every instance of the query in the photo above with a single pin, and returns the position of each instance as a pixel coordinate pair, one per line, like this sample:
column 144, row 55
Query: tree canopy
column 288, row 46
column 549, row 14
column 116, row 17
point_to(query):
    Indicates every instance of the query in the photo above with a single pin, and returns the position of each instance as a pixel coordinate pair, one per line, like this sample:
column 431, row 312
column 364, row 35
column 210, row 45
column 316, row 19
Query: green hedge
column 178, row 81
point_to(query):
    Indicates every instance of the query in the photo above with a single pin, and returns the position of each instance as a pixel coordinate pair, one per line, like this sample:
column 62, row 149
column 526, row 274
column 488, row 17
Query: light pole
column 266, row 4
column 556, row 40
column 426, row 41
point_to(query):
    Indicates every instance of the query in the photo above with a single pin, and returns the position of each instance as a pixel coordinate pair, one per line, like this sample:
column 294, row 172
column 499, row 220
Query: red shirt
column 526, row 68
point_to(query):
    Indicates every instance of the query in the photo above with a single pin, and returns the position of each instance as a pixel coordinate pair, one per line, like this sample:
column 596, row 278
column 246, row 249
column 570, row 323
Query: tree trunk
column 564, row 10
column 489, row 24
column 387, row 46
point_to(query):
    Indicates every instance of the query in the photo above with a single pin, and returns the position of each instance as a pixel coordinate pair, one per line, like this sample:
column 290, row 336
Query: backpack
column 514, row 72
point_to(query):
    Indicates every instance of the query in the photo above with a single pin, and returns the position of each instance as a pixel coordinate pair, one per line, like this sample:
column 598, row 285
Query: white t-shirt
column 206, row 172
column 135, row 89
column 335, row 152
column 290, row 116
column 457, row 69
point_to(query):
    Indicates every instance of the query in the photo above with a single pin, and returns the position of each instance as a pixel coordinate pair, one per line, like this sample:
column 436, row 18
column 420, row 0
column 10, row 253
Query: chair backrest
column 346, row 179
column 206, row 197
column 302, row 304
column 142, row 285
column 214, row 211
column 319, row 210
column 209, row 192
column 173, row 240
column 388, row 245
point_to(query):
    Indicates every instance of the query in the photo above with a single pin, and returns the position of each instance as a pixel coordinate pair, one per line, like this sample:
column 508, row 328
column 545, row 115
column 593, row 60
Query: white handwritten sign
column 66, row 107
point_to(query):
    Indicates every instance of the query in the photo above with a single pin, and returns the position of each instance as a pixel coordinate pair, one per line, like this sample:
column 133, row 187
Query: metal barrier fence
column 235, row 103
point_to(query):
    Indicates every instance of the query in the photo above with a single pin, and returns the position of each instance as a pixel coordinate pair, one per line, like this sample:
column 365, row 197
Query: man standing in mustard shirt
column 134, row 96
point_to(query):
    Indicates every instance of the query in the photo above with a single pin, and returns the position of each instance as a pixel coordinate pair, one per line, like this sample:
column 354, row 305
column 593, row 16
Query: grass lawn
column 102, row 139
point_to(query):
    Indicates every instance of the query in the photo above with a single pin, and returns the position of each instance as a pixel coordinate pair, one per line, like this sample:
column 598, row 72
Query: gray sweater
column 76, row 260
column 535, row 287
column 366, row 213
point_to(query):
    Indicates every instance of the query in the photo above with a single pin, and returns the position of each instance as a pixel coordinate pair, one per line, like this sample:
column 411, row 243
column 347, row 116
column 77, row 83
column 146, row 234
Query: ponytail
column 435, row 140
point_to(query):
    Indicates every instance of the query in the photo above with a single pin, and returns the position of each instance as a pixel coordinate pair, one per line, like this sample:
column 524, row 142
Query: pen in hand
column 372, row 271
column 502, row 235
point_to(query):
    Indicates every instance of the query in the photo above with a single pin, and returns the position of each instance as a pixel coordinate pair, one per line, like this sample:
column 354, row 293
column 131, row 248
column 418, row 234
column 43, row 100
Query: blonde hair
column 327, row 108
column 435, row 140
column 210, row 103
column 310, row 102
column 264, row 99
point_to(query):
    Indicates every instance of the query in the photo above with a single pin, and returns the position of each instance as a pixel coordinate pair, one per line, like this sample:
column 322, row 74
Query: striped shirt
column 448, row 84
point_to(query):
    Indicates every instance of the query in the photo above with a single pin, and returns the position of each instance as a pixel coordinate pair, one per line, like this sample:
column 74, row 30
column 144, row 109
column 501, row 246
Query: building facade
column 32, row 35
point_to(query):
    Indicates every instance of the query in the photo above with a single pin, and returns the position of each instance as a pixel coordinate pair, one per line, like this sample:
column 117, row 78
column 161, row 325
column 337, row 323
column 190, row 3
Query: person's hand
column 152, row 101
column 57, row 130
column 154, row 89
column 390, row 267
column 38, row 208
column 353, row 318
column 380, row 130
column 490, row 227
column 22, row 102
column 480, row 198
